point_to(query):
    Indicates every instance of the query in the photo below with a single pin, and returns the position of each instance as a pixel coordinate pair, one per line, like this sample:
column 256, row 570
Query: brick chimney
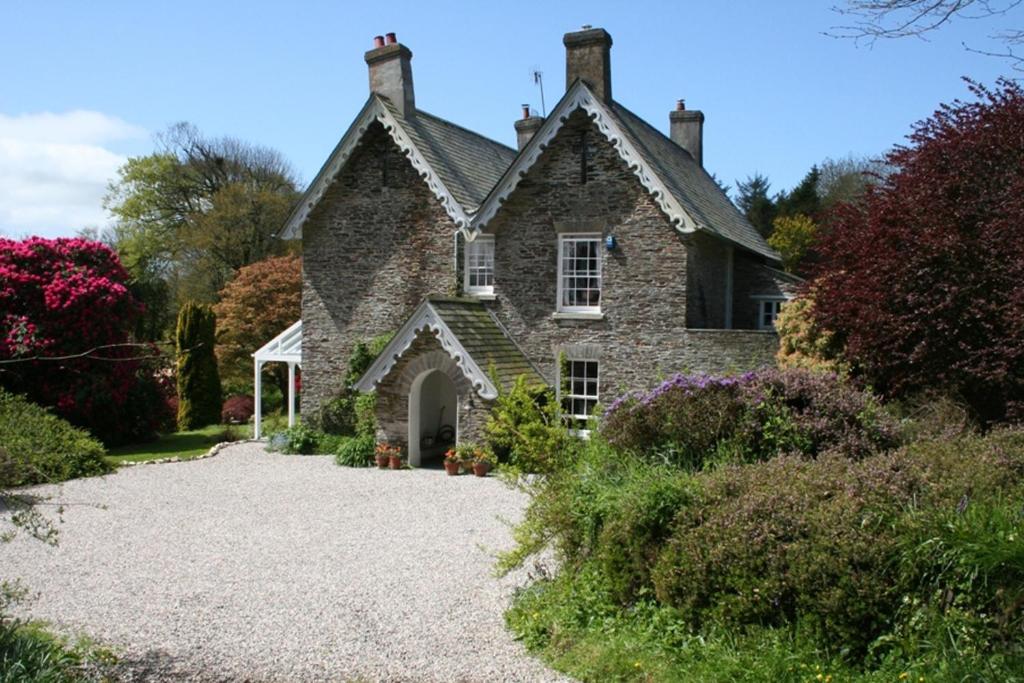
column 527, row 127
column 588, row 57
column 686, row 128
column 391, row 73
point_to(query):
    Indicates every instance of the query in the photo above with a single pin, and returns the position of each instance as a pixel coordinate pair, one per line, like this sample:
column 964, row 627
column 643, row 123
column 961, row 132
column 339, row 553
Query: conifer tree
column 199, row 392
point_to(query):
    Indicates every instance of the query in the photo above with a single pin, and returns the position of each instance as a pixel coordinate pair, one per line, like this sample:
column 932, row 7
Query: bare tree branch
column 873, row 20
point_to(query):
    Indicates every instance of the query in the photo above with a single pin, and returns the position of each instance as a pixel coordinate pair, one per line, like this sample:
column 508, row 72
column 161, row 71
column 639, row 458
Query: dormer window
column 579, row 273
column 479, row 279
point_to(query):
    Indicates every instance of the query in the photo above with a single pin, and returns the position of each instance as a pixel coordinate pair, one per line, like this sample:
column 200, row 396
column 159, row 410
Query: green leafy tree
column 191, row 214
column 847, row 179
column 756, row 204
column 199, row 394
column 793, row 238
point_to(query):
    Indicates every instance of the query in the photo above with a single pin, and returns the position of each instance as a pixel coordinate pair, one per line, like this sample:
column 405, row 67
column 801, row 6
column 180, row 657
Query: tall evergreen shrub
column 199, row 393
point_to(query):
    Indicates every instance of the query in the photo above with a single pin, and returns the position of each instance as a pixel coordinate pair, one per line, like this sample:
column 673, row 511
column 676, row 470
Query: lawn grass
column 179, row 444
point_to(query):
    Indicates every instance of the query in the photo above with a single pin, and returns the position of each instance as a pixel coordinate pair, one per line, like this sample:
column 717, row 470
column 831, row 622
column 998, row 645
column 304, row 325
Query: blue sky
column 83, row 85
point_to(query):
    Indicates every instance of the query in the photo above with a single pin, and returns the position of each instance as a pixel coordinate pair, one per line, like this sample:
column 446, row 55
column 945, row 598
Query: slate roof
column 470, row 334
column 460, row 166
column 691, row 185
column 468, row 163
column 484, row 339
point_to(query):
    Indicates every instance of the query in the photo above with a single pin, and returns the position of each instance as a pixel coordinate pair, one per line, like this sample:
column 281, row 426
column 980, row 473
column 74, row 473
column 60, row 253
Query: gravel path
column 262, row 567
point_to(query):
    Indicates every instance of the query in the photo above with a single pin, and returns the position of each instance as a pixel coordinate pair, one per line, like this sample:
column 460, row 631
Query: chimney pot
column 527, row 127
column 680, row 105
column 378, row 41
column 686, row 128
column 392, row 38
column 588, row 58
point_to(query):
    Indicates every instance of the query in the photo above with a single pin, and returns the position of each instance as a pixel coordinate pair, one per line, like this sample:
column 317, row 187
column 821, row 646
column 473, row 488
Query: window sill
column 577, row 315
column 483, row 296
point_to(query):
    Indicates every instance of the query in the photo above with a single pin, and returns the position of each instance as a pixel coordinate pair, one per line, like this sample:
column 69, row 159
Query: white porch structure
column 284, row 348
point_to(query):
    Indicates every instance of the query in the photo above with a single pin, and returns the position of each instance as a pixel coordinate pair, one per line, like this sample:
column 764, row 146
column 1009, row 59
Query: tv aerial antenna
column 538, row 80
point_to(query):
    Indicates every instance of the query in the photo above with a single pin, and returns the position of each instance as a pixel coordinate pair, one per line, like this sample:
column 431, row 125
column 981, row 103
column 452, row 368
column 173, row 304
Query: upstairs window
column 579, row 273
column 768, row 312
column 480, row 265
column 579, row 391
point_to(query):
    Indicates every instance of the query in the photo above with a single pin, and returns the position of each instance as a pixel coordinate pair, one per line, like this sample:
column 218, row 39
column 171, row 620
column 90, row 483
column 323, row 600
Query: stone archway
column 433, row 417
column 433, row 384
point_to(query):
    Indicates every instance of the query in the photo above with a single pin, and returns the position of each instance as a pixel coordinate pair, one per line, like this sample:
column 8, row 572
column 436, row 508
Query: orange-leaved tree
column 259, row 303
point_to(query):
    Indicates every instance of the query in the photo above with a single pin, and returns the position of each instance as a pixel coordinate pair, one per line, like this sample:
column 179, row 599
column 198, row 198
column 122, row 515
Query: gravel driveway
column 257, row 566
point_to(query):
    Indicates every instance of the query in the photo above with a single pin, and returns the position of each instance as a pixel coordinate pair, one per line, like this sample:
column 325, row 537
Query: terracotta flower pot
column 452, row 468
column 382, row 461
column 481, row 469
column 394, row 462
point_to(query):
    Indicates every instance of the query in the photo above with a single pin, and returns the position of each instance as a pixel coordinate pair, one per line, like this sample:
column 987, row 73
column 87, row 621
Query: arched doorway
column 433, row 416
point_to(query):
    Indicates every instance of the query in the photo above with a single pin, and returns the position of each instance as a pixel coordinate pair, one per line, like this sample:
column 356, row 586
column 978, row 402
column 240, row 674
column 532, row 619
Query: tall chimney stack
column 686, row 128
column 588, row 57
column 527, row 127
column 390, row 65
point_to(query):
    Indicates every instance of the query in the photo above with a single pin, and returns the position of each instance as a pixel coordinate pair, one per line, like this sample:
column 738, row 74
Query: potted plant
column 380, row 454
column 483, row 461
column 396, row 458
column 451, row 462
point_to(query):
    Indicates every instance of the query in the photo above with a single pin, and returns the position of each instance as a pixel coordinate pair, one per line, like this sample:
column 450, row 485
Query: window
column 480, row 265
column 579, row 391
column 579, row 273
column 768, row 312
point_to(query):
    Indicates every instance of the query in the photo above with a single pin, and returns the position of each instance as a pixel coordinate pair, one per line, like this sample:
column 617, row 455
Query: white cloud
column 54, row 170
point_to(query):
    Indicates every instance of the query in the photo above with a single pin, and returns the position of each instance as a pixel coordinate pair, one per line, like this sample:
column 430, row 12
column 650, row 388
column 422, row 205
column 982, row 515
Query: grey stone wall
column 643, row 335
column 376, row 245
column 729, row 351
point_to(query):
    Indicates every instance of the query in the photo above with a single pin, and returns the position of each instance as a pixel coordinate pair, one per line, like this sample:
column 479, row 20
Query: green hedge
column 911, row 560
column 36, row 446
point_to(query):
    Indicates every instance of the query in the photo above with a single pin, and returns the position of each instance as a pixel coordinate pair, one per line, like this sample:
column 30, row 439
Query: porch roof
column 470, row 334
column 285, row 347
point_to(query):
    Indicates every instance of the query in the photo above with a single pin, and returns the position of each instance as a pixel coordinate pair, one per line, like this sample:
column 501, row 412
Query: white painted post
column 257, row 400
column 291, row 394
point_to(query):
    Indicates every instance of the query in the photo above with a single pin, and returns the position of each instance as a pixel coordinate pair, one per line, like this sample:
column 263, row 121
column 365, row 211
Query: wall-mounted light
column 610, row 243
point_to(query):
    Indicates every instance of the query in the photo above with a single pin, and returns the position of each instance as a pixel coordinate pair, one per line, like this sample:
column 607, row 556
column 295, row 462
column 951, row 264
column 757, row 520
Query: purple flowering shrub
column 679, row 422
column 688, row 420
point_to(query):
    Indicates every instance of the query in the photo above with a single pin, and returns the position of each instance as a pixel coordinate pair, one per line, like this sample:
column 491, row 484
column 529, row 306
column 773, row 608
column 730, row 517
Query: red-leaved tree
column 259, row 303
column 66, row 317
column 923, row 283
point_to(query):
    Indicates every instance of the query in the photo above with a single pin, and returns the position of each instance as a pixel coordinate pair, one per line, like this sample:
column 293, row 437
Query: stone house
column 600, row 248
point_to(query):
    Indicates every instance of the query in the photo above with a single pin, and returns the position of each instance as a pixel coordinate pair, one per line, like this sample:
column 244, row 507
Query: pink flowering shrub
column 64, row 308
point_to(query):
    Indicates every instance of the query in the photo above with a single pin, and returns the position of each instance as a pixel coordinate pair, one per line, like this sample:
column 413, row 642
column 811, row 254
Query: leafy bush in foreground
column 355, row 451
column 911, row 560
column 526, row 431
column 36, row 446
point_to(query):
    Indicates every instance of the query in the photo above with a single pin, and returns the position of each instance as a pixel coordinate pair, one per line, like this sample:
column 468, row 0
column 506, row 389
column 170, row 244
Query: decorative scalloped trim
column 375, row 112
column 580, row 97
column 405, row 143
column 426, row 318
